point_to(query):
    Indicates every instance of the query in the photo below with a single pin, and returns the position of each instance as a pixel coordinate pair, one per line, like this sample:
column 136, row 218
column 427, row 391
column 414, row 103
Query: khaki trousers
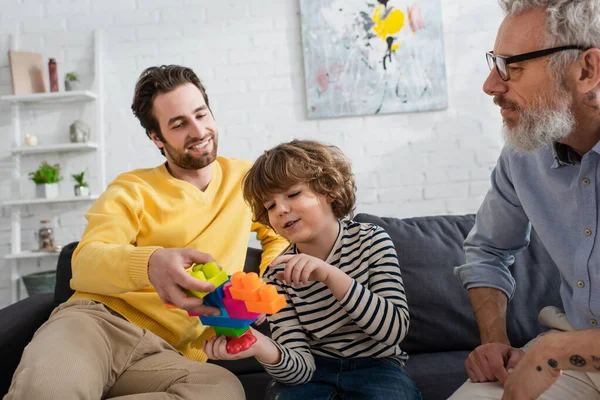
column 85, row 351
column 572, row 385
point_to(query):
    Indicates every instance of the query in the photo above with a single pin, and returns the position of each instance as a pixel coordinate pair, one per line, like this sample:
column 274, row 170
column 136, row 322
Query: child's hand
column 216, row 349
column 302, row 268
column 260, row 319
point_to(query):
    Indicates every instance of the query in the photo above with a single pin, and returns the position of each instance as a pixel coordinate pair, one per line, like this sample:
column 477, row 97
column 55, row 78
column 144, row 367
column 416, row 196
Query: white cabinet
column 57, row 101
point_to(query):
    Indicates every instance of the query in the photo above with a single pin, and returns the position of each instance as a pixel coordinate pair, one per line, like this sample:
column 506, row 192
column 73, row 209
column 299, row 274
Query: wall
column 248, row 53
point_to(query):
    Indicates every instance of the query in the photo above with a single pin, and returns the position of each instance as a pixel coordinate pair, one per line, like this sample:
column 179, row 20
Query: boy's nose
column 283, row 209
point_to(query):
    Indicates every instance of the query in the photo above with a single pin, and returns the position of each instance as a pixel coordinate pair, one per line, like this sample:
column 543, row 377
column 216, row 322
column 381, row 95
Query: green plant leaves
column 46, row 174
column 79, row 178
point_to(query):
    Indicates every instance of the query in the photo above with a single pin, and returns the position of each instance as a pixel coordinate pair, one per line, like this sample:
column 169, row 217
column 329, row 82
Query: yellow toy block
column 270, row 302
column 209, row 272
column 245, row 286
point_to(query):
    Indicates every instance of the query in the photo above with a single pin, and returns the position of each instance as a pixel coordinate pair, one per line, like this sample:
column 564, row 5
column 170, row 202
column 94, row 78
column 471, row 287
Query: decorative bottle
column 46, row 235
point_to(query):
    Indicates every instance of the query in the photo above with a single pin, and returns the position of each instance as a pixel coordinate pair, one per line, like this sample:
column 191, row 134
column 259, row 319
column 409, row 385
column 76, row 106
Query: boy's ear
column 330, row 198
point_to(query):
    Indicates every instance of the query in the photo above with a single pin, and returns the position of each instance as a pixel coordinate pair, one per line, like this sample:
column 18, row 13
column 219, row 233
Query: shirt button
column 587, row 232
column 593, row 322
column 586, row 181
column 580, row 284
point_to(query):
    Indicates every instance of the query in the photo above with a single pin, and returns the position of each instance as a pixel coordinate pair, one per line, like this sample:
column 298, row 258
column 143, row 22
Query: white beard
column 541, row 125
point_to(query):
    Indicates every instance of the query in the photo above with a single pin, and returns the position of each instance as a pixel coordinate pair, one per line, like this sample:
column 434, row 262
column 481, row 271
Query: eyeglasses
column 501, row 62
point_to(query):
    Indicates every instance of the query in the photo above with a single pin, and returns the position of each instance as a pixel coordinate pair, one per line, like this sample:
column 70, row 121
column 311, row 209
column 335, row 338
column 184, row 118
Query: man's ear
column 156, row 140
column 587, row 70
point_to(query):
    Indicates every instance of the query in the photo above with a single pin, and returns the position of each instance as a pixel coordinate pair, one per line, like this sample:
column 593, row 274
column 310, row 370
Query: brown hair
column 157, row 80
column 324, row 168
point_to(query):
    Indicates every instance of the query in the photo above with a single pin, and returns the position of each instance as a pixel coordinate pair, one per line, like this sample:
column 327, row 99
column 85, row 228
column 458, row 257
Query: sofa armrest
column 18, row 323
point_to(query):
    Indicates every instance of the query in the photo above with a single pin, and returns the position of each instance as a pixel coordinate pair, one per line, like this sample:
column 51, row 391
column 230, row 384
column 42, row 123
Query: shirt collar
column 563, row 155
column 596, row 147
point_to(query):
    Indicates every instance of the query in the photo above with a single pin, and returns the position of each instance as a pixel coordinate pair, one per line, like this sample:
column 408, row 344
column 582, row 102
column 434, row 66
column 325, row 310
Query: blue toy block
column 224, row 321
column 215, row 299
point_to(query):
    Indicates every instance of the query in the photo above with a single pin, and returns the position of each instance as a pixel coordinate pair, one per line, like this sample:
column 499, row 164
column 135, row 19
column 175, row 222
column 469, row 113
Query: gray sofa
column 442, row 330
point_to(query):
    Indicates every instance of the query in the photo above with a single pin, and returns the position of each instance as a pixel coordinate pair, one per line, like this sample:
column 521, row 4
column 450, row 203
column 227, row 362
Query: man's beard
column 547, row 120
column 188, row 161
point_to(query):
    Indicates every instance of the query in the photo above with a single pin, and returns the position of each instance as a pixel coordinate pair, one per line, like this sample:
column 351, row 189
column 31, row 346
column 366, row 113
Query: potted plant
column 81, row 188
column 46, row 180
column 71, row 81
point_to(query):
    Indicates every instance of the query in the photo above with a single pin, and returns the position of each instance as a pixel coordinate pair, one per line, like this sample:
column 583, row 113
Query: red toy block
column 242, row 343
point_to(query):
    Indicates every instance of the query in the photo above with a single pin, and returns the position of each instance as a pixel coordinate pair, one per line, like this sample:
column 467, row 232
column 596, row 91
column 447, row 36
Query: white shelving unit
column 52, row 97
column 56, row 148
column 18, row 150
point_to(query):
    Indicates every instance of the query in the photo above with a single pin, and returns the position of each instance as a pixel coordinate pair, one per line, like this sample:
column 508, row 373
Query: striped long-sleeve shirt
column 370, row 321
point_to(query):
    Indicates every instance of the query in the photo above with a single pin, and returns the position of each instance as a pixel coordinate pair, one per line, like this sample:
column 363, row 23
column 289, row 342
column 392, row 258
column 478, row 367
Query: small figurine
column 79, row 132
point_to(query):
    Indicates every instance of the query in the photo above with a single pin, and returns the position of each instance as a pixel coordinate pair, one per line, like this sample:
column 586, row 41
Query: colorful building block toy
column 241, row 298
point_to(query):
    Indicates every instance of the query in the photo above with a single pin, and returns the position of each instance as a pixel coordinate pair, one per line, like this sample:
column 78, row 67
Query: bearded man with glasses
column 545, row 77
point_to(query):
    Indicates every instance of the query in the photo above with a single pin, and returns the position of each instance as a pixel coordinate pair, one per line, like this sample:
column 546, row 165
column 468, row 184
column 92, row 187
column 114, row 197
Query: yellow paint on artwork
column 390, row 25
column 395, row 46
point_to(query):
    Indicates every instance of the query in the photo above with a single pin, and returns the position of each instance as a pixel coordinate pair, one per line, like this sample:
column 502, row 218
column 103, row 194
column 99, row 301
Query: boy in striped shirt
column 346, row 313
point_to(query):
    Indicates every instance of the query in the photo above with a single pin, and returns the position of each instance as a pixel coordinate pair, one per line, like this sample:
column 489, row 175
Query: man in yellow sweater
column 115, row 337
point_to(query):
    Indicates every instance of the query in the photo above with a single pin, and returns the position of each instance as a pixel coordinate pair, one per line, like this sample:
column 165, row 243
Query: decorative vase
column 46, row 191
column 71, row 85
column 40, row 282
column 79, row 132
column 82, row 190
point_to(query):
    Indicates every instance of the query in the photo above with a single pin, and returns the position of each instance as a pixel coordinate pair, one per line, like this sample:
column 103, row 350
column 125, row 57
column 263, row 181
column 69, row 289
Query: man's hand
column 167, row 273
column 532, row 377
column 492, row 361
column 301, row 269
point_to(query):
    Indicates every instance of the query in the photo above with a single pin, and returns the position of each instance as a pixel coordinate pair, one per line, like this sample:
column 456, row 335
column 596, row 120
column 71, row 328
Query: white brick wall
column 248, row 53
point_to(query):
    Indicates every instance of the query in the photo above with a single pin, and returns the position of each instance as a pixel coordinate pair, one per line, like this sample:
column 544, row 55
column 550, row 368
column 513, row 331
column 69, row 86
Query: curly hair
column 324, row 168
column 158, row 80
column 568, row 22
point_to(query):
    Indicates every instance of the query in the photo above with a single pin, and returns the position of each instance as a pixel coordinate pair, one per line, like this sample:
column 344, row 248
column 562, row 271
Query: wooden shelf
column 49, row 201
column 31, row 254
column 55, row 148
column 52, row 97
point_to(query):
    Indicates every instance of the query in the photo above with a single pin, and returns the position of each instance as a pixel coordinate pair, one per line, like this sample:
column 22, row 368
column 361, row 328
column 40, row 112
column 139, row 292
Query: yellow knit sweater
column 147, row 209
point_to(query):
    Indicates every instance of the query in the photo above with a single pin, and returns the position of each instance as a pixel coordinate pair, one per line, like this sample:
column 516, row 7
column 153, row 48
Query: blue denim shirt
column 556, row 192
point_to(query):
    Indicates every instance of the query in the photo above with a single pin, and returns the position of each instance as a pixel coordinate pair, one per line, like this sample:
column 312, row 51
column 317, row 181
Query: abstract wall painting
column 364, row 57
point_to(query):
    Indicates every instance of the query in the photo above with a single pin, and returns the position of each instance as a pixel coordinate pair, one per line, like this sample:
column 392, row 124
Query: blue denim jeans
column 357, row 378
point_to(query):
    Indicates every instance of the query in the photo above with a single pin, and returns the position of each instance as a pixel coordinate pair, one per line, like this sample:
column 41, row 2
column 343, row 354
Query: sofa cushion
column 63, row 290
column 441, row 316
column 438, row 375
column 18, row 323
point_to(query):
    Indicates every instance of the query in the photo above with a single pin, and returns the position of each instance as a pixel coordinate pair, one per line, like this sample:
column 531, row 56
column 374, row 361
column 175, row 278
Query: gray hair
column 569, row 22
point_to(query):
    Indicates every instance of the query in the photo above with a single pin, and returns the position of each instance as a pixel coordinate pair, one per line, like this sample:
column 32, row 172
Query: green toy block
column 208, row 272
column 229, row 332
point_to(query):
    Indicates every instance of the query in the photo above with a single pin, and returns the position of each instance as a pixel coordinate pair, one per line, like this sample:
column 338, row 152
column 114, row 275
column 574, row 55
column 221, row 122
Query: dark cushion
column 438, row 375
column 18, row 323
column 253, row 257
column 255, row 385
column 63, row 290
column 441, row 316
